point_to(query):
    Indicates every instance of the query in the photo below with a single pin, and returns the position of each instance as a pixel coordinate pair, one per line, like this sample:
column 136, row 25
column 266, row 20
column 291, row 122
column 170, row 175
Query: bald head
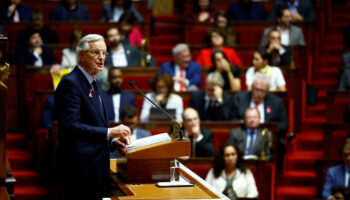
column 191, row 119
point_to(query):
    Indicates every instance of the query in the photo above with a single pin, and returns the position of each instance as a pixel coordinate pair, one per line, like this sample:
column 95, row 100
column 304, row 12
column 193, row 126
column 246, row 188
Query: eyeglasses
column 98, row 53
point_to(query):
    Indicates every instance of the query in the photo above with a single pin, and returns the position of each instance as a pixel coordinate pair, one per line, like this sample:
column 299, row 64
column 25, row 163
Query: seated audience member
column 339, row 174
column 344, row 83
column 249, row 137
column 13, row 11
column 230, row 175
column 261, row 66
column 222, row 22
column 247, row 10
column 280, row 55
column 212, row 104
column 116, row 98
column 162, row 88
column 270, row 107
column 70, row 10
column 290, row 34
column 216, row 41
column 48, row 35
column 130, row 34
column 186, row 73
column 301, row 10
column 340, row 193
column 230, row 73
column 113, row 11
column 201, row 138
column 34, row 53
column 202, row 12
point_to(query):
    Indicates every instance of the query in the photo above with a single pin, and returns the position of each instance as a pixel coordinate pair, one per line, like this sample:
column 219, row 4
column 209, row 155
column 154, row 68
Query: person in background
column 203, row 12
column 247, row 10
column 48, row 35
column 252, row 139
column 116, row 98
column 230, row 73
column 340, row 193
column 215, row 40
column 261, row 66
column 69, row 57
column 222, row 22
column 290, row 34
column 130, row 34
column 113, row 11
column 344, row 83
column 70, row 10
column 185, row 72
column 162, row 94
column 230, row 175
column 338, row 175
column 301, row 10
column 201, row 138
column 212, row 104
column 13, row 11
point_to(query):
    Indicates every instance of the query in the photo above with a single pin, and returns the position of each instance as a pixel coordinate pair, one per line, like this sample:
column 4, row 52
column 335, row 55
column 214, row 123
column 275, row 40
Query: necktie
column 94, row 85
column 251, row 142
column 182, row 86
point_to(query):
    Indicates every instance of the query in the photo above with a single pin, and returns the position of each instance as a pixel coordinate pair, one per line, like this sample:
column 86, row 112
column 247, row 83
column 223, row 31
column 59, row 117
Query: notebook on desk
column 157, row 115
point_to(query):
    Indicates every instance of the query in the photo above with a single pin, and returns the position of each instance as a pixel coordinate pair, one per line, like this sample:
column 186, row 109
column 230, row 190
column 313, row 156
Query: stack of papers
column 154, row 139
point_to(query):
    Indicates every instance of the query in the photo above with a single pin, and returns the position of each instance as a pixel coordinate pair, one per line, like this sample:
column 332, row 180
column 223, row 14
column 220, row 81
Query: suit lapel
column 257, row 142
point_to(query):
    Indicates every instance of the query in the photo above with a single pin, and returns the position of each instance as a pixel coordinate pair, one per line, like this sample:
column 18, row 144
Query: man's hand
column 38, row 50
column 179, row 79
column 297, row 17
column 195, row 131
column 218, row 92
column 55, row 69
column 119, row 131
column 122, row 141
column 11, row 9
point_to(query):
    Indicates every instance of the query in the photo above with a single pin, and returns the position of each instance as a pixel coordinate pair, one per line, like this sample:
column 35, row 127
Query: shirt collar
column 87, row 75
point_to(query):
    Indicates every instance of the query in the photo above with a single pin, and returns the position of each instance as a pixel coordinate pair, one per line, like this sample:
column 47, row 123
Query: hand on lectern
column 121, row 135
column 122, row 141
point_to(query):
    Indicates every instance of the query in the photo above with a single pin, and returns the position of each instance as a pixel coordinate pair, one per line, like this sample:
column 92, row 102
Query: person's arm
column 234, row 79
column 328, row 185
column 196, row 78
column 252, row 190
column 281, row 83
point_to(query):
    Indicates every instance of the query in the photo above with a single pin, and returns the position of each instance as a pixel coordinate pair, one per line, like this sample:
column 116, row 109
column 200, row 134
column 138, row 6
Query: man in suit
column 70, row 10
column 213, row 104
column 270, row 107
column 14, row 11
column 201, row 138
column 280, row 55
column 251, row 139
column 186, row 73
column 290, row 34
column 338, row 175
column 116, row 98
column 301, row 10
column 84, row 139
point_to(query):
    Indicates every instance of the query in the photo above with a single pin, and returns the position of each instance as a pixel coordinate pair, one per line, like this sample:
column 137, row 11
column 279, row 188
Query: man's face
column 113, row 37
column 259, row 91
column 183, row 58
column 274, row 37
column 131, row 122
column 286, row 18
column 116, row 80
column 210, row 89
column 346, row 156
column 252, row 119
column 34, row 40
column 93, row 59
column 191, row 119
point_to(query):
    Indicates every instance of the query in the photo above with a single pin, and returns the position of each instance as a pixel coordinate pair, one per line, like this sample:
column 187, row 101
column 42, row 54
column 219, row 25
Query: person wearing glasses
column 84, row 135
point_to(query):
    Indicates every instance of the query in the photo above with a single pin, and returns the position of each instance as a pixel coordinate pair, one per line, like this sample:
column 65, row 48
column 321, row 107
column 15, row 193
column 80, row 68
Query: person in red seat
column 13, row 11
column 301, row 10
column 229, row 174
column 201, row 138
column 203, row 12
column 251, row 139
column 216, row 41
column 130, row 34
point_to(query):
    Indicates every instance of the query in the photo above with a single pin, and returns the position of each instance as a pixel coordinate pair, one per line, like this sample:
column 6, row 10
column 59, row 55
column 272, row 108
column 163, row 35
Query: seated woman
column 216, row 41
column 130, row 34
column 113, row 11
column 223, row 23
column 229, row 174
column 203, row 12
column 229, row 72
column 162, row 86
column 260, row 66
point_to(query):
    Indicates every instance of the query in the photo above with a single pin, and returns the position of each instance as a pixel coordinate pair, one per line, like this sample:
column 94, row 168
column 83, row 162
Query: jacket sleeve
column 328, row 185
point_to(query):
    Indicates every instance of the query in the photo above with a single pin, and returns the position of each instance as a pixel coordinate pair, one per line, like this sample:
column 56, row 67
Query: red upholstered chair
column 201, row 171
column 220, row 138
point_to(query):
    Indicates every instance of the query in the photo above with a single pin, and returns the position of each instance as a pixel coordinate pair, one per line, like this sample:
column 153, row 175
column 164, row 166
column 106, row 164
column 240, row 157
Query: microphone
column 172, row 119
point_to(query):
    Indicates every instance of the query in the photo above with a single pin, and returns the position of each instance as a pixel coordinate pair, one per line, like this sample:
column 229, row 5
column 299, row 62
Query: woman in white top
column 230, row 176
column 260, row 65
column 162, row 86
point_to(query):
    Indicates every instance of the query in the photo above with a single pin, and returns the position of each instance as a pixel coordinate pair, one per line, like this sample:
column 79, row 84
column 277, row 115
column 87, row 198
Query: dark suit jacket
column 223, row 112
column 257, row 12
column 193, row 72
column 304, row 9
column 83, row 149
column 344, row 83
column 108, row 13
column 48, row 113
column 276, row 113
column 25, row 14
column 285, row 58
column 205, row 147
column 238, row 136
column 62, row 13
column 335, row 177
column 133, row 56
column 48, row 35
column 126, row 98
column 24, row 56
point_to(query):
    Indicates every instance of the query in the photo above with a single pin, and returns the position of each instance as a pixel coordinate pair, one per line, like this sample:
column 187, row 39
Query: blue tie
column 251, row 142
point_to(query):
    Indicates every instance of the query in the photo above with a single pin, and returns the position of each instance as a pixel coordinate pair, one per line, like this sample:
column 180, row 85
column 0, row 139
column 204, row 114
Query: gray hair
column 180, row 47
column 215, row 78
column 261, row 78
column 84, row 43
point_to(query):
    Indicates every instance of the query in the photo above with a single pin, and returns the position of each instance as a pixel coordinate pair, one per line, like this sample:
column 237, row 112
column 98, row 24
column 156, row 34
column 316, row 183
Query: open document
column 154, row 139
